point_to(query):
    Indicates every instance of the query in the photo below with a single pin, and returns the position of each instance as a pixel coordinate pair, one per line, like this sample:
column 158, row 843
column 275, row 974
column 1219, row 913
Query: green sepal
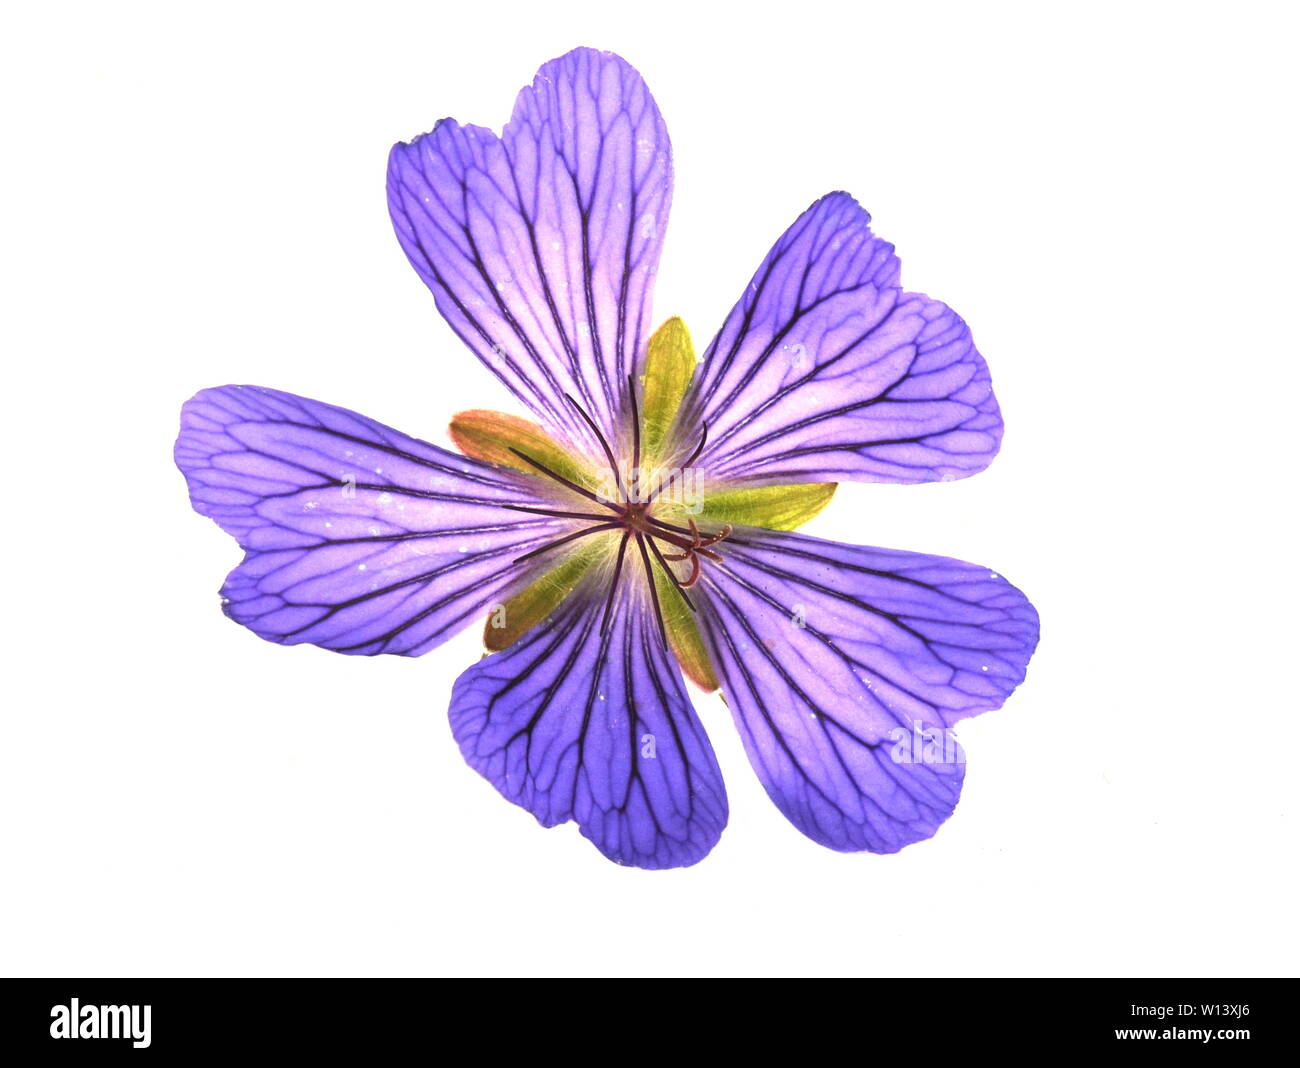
column 683, row 634
column 773, row 507
column 536, row 601
column 498, row 438
column 669, row 367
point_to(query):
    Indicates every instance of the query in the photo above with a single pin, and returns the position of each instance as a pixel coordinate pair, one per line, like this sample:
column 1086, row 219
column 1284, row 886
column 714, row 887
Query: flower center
column 630, row 510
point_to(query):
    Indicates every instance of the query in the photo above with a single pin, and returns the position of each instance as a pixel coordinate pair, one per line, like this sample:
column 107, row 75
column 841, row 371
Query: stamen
column 613, row 586
column 636, row 431
column 665, row 526
column 654, row 592
column 557, row 513
column 669, row 572
column 704, row 436
column 566, row 539
column 564, row 481
column 609, row 453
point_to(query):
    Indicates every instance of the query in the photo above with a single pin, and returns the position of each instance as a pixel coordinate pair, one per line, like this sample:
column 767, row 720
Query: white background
column 194, row 195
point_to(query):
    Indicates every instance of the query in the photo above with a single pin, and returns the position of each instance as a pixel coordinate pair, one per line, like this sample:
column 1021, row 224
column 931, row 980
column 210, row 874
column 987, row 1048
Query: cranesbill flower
column 646, row 524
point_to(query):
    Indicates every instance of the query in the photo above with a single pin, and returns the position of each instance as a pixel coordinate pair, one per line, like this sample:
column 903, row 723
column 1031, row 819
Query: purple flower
column 647, row 527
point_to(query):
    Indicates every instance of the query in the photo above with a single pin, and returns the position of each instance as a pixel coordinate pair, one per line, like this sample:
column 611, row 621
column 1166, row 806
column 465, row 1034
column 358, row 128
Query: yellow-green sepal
column 498, row 438
column 669, row 368
column 535, row 602
column 773, row 507
column 683, row 635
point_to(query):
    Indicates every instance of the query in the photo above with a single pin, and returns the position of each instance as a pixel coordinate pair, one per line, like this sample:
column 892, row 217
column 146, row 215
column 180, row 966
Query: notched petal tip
column 827, row 370
column 574, row 722
column 845, row 200
column 495, row 239
column 357, row 538
column 845, row 668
